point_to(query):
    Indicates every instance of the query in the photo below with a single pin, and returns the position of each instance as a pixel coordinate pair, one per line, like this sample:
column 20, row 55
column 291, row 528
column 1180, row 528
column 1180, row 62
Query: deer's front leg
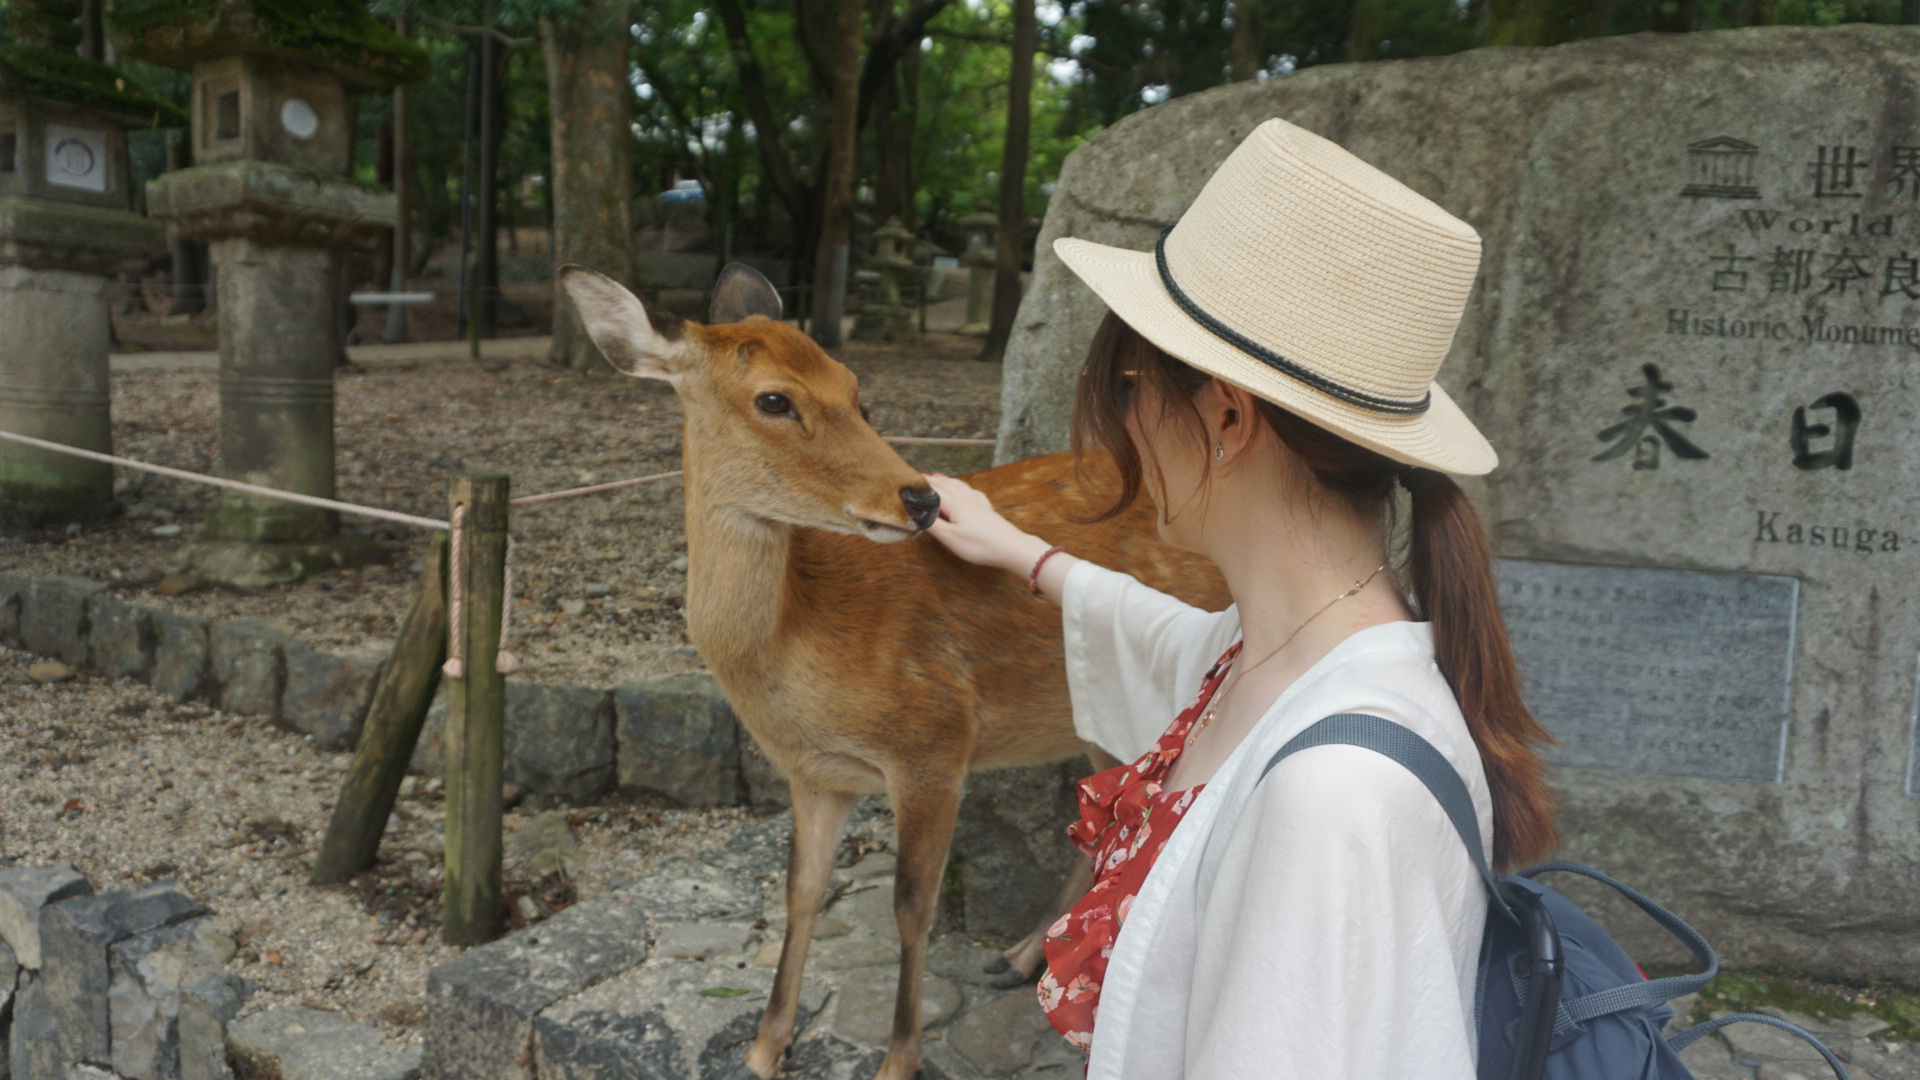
column 818, row 818
column 925, row 804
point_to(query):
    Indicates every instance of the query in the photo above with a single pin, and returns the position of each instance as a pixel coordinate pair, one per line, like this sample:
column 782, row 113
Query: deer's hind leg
column 818, row 818
column 925, row 804
column 1020, row 963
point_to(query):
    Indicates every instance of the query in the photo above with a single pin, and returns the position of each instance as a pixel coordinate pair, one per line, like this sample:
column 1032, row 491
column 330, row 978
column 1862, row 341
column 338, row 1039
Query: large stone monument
column 1690, row 344
column 67, row 227
column 272, row 124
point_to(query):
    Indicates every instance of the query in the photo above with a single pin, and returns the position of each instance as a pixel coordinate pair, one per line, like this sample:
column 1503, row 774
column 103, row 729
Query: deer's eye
column 774, row 404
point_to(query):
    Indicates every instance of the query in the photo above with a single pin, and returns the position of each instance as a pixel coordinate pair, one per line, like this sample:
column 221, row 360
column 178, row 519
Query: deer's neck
column 736, row 581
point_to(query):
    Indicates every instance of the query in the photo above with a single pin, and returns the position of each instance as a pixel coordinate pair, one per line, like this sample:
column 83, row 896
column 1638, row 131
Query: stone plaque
column 76, row 157
column 1655, row 671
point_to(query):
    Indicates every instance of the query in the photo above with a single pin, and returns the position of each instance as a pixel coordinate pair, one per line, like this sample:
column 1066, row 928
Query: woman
column 1266, row 376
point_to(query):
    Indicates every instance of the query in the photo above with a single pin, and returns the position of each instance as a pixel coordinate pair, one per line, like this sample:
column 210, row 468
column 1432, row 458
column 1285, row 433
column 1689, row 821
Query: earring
column 1219, row 452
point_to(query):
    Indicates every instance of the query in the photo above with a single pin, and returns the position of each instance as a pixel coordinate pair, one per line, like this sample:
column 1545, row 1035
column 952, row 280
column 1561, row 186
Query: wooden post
column 476, row 715
column 394, row 719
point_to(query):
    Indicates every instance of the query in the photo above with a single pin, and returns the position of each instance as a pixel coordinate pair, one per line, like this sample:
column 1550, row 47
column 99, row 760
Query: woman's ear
column 1232, row 417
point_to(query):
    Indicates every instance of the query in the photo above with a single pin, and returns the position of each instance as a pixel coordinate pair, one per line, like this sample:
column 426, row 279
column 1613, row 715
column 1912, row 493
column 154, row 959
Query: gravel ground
column 130, row 788
column 404, row 429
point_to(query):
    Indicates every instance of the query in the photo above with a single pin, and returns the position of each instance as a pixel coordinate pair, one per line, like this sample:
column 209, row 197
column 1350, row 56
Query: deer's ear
column 638, row 342
column 741, row 291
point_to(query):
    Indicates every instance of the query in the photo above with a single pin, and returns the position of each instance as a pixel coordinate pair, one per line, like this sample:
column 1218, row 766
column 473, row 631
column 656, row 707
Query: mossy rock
column 61, row 76
column 339, row 35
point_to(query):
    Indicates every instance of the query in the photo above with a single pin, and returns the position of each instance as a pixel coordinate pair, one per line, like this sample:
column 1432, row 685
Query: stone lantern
column 980, row 258
column 272, row 129
column 885, row 317
column 67, row 227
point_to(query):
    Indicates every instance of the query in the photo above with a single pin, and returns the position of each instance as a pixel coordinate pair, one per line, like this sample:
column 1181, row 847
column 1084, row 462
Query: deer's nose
column 923, row 505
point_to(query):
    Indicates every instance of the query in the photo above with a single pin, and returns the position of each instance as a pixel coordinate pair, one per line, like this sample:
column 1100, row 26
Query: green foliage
column 338, row 34
column 62, row 76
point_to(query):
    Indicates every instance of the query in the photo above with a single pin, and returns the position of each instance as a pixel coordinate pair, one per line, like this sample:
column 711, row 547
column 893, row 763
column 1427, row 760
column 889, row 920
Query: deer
column 861, row 656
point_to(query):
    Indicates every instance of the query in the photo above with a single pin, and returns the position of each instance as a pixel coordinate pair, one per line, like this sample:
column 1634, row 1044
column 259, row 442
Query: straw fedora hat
column 1311, row 279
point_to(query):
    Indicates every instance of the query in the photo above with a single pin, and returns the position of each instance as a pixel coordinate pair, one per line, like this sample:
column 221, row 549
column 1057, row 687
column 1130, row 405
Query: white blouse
column 1322, row 925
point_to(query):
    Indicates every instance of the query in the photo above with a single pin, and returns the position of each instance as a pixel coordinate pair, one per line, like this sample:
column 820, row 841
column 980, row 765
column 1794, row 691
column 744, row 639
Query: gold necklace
column 1221, row 695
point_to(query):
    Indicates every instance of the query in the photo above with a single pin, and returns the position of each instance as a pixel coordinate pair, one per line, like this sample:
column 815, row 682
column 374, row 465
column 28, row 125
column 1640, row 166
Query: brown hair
column 1448, row 564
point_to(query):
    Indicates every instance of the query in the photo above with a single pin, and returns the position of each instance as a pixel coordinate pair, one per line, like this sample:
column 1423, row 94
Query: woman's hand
column 972, row 529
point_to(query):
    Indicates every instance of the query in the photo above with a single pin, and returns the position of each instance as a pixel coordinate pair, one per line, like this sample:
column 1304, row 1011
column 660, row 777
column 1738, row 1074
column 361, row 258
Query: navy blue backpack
column 1557, row 998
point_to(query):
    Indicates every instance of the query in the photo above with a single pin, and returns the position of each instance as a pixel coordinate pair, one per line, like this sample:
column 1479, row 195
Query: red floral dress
column 1125, row 819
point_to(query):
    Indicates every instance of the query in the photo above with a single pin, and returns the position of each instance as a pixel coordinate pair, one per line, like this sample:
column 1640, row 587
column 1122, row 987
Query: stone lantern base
column 57, row 262
column 880, row 321
column 246, row 565
column 274, row 234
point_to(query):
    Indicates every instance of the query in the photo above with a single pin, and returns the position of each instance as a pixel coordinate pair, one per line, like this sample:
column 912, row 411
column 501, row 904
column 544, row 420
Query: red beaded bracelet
column 1033, row 579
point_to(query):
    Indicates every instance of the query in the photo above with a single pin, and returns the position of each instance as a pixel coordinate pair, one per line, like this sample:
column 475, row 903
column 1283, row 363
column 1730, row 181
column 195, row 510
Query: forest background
column 786, row 126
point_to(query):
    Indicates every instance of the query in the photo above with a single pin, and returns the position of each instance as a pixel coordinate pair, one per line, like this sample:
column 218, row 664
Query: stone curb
column 673, row 736
column 244, row 666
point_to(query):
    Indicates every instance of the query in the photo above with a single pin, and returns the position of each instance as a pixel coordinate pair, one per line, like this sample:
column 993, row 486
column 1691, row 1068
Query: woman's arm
column 1339, row 940
column 1134, row 654
column 971, row 528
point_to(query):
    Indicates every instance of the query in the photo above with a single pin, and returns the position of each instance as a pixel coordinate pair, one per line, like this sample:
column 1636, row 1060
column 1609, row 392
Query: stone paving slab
column 481, row 1006
column 1759, row 1052
column 702, row 941
column 864, row 1000
column 671, row 1019
column 693, row 1007
column 299, row 1043
column 694, row 891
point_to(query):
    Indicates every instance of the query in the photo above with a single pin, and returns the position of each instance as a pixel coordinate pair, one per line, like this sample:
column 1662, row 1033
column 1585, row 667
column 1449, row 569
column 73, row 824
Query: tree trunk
column 753, row 87
column 1013, row 183
column 396, row 328
column 383, row 173
column 592, row 182
column 836, row 218
column 895, row 108
column 1366, row 29
column 1244, row 51
column 487, row 205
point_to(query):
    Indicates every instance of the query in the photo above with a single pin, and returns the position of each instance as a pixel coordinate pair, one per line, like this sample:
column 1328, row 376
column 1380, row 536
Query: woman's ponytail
column 1451, row 570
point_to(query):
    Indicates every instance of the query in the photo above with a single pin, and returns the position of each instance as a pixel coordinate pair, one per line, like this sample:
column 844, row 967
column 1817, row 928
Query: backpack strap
column 1700, row 1031
column 1653, row 991
column 1419, row 757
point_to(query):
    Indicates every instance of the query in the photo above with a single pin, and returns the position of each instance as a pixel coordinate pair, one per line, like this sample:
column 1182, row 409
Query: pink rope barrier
column 394, row 515
column 233, row 485
column 573, row 493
